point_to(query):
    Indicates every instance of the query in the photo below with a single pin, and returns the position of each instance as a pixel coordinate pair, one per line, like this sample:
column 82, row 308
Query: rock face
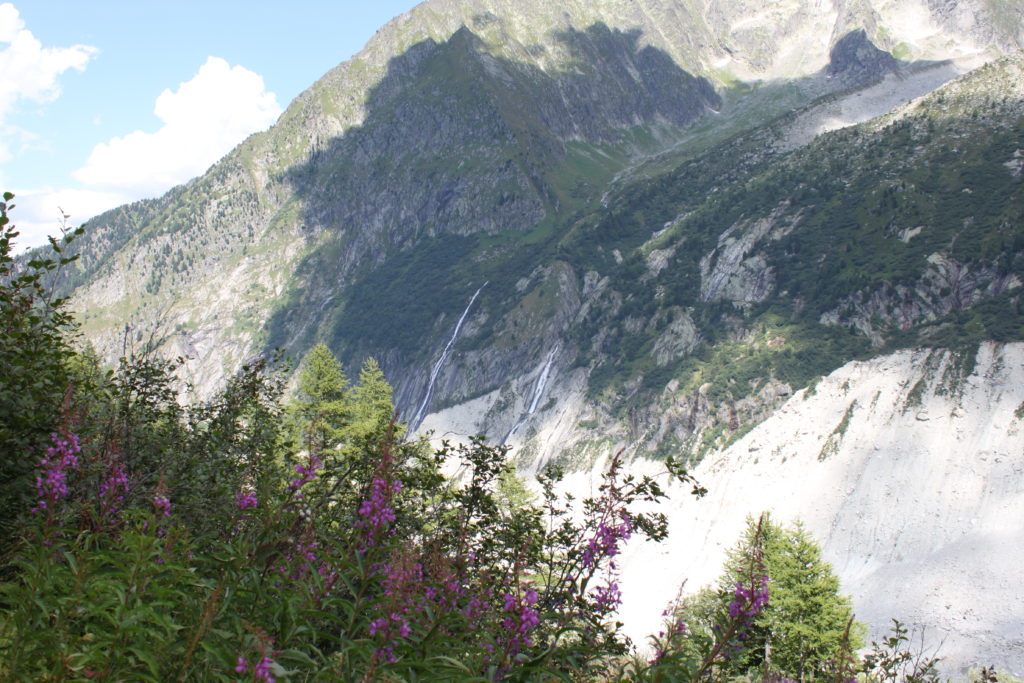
column 491, row 125
column 855, row 59
column 909, row 471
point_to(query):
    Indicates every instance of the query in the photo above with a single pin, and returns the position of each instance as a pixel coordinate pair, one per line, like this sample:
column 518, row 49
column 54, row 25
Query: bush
column 35, row 350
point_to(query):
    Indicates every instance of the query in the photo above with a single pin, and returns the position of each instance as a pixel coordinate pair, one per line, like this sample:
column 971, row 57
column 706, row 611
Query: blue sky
column 105, row 101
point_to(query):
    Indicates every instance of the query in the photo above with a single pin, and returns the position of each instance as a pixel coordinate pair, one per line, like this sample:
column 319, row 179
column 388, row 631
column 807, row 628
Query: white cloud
column 39, row 213
column 202, row 121
column 28, row 71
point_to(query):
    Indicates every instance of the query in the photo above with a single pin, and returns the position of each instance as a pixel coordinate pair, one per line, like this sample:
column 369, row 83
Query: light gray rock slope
column 909, row 469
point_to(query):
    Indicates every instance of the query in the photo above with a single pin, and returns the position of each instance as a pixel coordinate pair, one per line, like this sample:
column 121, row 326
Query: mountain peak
column 855, row 59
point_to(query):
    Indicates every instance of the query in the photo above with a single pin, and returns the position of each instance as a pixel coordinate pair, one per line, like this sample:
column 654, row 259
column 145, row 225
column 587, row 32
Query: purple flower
column 162, row 504
column 523, row 620
column 529, row 619
column 262, row 671
column 377, row 625
column 307, row 473
column 608, row 597
column 376, row 510
column 51, row 480
column 605, row 542
column 390, row 629
column 112, row 490
column 748, row 602
column 246, row 500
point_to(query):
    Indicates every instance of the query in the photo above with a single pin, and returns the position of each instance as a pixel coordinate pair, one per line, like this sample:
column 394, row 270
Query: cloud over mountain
column 202, row 120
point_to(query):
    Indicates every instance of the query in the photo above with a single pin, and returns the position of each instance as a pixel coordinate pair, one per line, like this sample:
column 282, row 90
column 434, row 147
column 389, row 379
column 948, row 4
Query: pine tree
column 801, row 632
column 807, row 616
column 321, row 407
column 371, row 397
column 371, row 407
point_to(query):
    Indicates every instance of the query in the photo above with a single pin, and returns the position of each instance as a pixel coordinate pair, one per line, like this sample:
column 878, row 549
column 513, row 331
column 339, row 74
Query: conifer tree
column 801, row 631
column 807, row 617
column 370, row 408
column 371, row 396
column 321, row 407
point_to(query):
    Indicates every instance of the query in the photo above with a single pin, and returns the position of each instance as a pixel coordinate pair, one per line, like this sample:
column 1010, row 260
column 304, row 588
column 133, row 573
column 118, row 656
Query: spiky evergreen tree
column 807, row 625
column 321, row 408
column 370, row 398
column 807, row 617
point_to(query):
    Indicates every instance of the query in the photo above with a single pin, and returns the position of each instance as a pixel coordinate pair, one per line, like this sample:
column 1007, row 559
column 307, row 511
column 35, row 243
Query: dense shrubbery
column 34, row 348
column 254, row 537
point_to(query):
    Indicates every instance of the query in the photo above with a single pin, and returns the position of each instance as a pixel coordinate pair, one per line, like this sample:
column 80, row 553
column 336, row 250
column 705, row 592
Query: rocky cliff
column 465, row 120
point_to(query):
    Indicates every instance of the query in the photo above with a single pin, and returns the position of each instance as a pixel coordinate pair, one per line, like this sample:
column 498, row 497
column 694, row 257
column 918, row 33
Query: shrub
column 35, row 350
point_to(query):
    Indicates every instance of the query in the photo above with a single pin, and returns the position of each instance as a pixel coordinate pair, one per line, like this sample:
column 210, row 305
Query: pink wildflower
column 51, row 481
column 246, row 500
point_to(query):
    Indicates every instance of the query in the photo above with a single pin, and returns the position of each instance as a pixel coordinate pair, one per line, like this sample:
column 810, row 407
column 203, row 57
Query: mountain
column 652, row 224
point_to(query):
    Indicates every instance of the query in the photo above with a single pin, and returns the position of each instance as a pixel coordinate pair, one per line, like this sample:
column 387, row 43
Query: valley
column 780, row 241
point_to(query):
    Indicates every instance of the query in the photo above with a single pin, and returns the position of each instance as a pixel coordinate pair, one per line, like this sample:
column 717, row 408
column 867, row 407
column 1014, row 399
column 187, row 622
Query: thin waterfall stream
column 538, row 391
column 440, row 362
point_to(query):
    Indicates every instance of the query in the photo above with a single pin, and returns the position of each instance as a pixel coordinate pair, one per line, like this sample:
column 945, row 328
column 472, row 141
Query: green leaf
column 148, row 658
column 452, row 663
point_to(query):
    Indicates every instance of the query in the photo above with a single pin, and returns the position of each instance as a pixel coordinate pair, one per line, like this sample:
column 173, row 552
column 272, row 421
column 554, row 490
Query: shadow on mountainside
column 460, row 149
column 468, row 157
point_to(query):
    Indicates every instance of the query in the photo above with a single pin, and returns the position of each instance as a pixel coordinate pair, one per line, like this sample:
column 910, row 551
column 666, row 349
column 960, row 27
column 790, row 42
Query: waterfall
column 440, row 361
column 538, row 391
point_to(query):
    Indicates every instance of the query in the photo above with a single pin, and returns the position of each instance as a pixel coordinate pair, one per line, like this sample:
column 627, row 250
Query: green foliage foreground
column 250, row 537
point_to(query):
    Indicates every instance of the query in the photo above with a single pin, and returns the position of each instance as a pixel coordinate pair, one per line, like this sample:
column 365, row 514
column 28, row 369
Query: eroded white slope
column 918, row 501
column 893, row 91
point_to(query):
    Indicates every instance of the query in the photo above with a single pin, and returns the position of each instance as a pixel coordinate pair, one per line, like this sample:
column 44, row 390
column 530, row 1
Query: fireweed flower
column 605, row 542
column 608, row 597
column 390, row 630
column 376, row 511
column 51, row 479
column 112, row 490
column 260, row 670
column 749, row 601
column 162, row 504
column 523, row 618
column 307, row 473
column 664, row 644
column 246, row 500
column 299, row 560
